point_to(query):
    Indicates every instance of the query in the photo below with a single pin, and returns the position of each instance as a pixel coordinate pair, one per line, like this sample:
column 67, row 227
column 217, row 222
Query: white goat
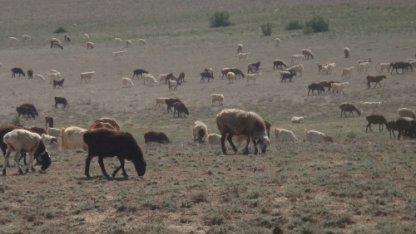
column 214, row 139
column 149, row 79
column 339, row 87
column 217, row 98
column 127, row 82
column 86, row 76
column 347, row 72
column 199, row 131
column 284, row 135
column 72, row 138
column 297, row 119
column 316, row 136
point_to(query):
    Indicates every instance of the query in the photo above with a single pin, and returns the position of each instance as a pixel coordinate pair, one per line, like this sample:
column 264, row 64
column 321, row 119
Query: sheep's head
column 264, row 143
column 44, row 160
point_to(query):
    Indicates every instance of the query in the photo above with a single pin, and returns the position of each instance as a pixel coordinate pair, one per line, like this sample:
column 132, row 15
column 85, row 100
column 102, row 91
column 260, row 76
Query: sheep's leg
column 87, row 165
column 120, row 167
column 16, row 161
column 101, row 162
column 6, row 161
column 368, row 126
column 30, row 165
column 246, row 151
column 255, row 146
column 229, row 138
column 224, row 150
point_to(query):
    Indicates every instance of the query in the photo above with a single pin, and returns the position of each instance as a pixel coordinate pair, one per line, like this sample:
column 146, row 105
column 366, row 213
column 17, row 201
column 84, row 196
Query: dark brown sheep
column 316, row 86
column 61, row 101
column 180, row 108
column 169, row 103
column 107, row 143
column 406, row 126
column 391, row 127
column 17, row 70
column 376, row 119
column 375, row 79
column 158, row 137
column 48, row 122
column 279, row 64
column 28, row 110
column 348, row 107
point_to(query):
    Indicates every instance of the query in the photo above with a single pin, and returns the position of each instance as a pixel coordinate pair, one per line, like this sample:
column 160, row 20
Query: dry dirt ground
column 361, row 183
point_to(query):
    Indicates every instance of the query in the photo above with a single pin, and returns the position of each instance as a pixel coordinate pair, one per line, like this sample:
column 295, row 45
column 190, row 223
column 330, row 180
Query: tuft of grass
column 266, row 29
column 60, row 30
column 316, row 24
column 293, row 25
column 220, row 19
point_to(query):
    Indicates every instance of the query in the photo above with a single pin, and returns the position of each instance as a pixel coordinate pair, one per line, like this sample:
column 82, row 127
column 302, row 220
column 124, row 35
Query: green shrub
column 317, row 24
column 266, row 29
column 60, row 30
column 294, row 25
column 220, row 19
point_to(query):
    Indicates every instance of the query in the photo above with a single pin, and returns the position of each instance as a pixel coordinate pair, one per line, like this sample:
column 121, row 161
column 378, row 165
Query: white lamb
column 214, row 139
column 252, row 78
column 86, row 76
column 217, row 98
column 284, row 135
column 149, row 79
column 347, row 72
column 339, row 87
column 383, row 67
column 199, row 131
column 243, row 56
column 297, row 119
column 72, row 138
column 317, row 137
column 370, row 105
column 363, row 67
column 127, row 82
column 231, row 77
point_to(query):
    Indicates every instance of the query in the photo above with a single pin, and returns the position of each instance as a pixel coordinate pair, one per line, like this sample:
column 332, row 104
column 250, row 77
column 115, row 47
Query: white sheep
column 239, row 48
column 383, row 67
column 284, row 135
column 72, row 138
column 13, row 39
column 370, row 105
column 346, row 52
column 277, row 41
column 129, row 43
column 142, row 41
column 127, row 82
column 217, row 98
column 163, row 78
column 160, row 101
column 87, row 36
column 86, row 76
column 56, row 132
column 231, row 77
column 297, row 119
column 214, row 139
column 347, row 72
column 90, row 44
column 406, row 112
column 54, row 75
column 339, row 87
column 243, row 56
column 298, row 68
column 252, row 77
column 363, row 67
column 296, row 58
column 118, row 40
column 21, row 140
column 307, row 53
column 149, row 79
column 317, row 137
column 49, row 139
column 38, row 76
column 199, row 131
column 119, row 53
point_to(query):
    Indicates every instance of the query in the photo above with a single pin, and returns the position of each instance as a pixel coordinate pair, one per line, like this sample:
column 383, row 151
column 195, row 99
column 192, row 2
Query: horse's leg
column 101, row 162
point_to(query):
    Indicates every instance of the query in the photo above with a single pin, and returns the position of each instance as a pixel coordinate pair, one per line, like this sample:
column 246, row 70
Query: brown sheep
column 348, row 107
column 375, row 79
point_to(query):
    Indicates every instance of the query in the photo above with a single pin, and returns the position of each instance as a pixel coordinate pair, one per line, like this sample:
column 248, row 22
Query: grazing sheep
column 119, row 53
column 48, row 122
column 405, row 66
column 339, row 87
column 307, row 53
column 370, row 105
column 61, row 101
column 28, row 110
column 277, row 41
column 327, row 84
column 169, row 103
column 383, row 67
column 316, row 86
column 58, row 83
column 239, row 122
column 37, row 76
column 224, row 72
column 296, row 58
column 297, row 119
column 149, row 79
column 243, row 56
column 96, row 125
column 375, row 79
column 111, row 121
column 208, row 74
column 348, row 107
column 298, row 69
column 118, row 40
column 217, row 98
column 406, row 112
column 253, row 67
column 230, row 77
column 48, row 139
column 160, row 101
column 67, row 38
column 239, row 48
column 26, row 38
column 107, row 143
column 22, row 140
column 363, row 67
column 286, row 75
column 86, row 76
column 376, row 119
column 406, row 126
column 55, row 42
column 127, row 82
column 180, row 108
column 199, row 131
column 346, row 52
column 29, row 74
column 72, row 138
column 158, row 137
column 54, row 75
column 347, row 72
column 17, row 70
column 138, row 73
column 142, row 41
column 391, row 127
column 283, row 135
column 214, row 139
column 279, row 64
column 252, row 78
column 172, row 84
column 316, row 136
column 129, row 43
column 90, row 45
column 163, row 78
column 238, row 73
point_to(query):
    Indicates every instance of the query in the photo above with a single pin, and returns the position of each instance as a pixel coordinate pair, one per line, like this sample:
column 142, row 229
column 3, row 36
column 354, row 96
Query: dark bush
column 220, row 19
column 60, row 30
column 266, row 29
column 294, row 25
column 317, row 24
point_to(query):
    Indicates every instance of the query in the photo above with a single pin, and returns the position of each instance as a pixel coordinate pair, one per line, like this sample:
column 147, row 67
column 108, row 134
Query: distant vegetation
column 220, row 19
column 294, row 25
column 317, row 24
column 60, row 30
column 266, row 29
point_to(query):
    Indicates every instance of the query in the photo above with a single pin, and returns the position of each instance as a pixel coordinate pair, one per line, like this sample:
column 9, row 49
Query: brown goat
column 348, row 107
column 375, row 79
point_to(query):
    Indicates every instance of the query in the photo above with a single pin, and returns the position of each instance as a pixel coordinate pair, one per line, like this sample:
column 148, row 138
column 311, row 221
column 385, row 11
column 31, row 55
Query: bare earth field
column 361, row 183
